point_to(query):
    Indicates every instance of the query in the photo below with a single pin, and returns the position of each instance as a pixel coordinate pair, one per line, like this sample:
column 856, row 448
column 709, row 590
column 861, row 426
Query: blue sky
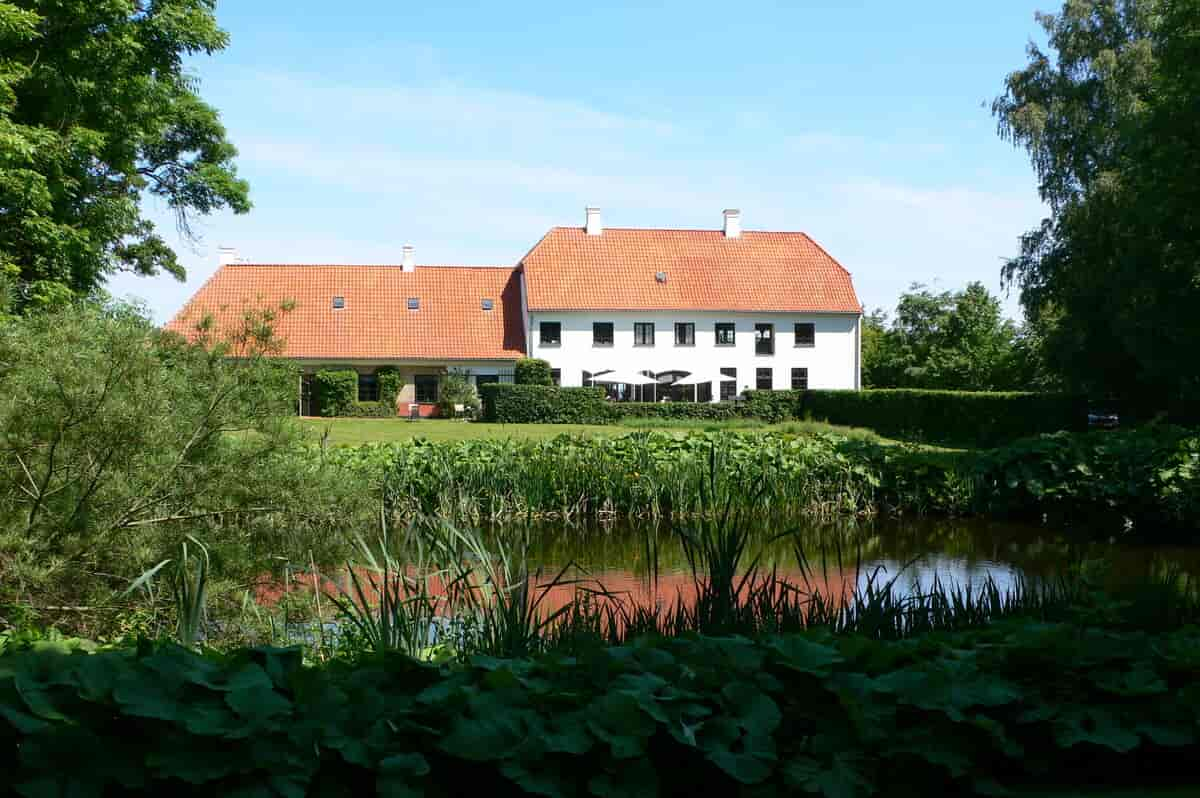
column 469, row 129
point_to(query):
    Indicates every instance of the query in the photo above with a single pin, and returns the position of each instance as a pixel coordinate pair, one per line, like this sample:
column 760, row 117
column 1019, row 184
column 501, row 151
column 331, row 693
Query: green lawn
column 357, row 431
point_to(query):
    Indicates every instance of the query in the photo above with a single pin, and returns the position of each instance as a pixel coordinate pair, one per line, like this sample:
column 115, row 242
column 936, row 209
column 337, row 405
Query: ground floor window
column 729, row 386
column 763, row 380
column 427, row 388
column 556, row 376
column 799, row 379
column 486, row 379
column 368, row 387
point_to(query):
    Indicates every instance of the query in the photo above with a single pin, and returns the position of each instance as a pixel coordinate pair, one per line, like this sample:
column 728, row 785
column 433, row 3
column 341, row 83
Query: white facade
column 832, row 361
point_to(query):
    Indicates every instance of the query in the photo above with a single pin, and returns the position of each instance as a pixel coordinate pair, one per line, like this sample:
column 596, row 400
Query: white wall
column 831, row 363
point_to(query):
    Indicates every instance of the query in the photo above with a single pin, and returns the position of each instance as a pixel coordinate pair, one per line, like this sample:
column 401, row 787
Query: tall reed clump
column 637, row 475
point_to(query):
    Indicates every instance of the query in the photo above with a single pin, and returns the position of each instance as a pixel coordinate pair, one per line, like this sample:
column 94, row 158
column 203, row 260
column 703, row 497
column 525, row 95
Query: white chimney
column 227, row 255
column 594, row 226
column 409, row 264
column 733, row 223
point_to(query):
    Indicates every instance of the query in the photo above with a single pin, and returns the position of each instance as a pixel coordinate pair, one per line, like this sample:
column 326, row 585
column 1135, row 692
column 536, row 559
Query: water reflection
column 645, row 560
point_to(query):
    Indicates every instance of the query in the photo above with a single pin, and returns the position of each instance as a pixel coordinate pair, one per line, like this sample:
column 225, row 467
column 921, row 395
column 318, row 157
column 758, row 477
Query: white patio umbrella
column 619, row 377
column 698, row 378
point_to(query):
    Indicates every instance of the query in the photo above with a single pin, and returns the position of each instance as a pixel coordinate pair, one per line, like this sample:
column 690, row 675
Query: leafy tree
column 118, row 439
column 96, row 113
column 1111, row 121
column 952, row 340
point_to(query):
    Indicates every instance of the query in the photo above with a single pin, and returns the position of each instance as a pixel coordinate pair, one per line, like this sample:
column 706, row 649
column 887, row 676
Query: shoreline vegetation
column 1144, row 481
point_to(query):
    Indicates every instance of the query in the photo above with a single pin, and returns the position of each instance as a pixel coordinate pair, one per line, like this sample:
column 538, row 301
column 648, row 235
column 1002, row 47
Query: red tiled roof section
column 616, row 270
column 375, row 322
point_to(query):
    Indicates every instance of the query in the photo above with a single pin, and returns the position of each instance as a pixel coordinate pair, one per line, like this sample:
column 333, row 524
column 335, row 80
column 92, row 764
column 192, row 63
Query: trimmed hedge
column 959, row 418
column 336, row 391
column 380, row 409
column 722, row 411
column 532, row 371
column 545, row 404
column 390, row 385
column 1014, row 704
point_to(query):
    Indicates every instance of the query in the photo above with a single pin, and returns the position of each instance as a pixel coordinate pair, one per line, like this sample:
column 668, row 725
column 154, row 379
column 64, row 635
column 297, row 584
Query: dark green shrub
column 545, row 404
column 532, row 371
column 378, row 409
column 722, row 411
column 979, row 712
column 390, row 385
column 952, row 418
column 336, row 391
column 457, row 390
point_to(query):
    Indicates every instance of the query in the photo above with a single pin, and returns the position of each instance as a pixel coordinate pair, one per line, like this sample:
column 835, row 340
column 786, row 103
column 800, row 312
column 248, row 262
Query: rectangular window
column 556, row 376
column 602, row 333
column 685, row 334
column 729, row 386
column 414, row 303
column 799, row 379
column 550, row 333
column 427, row 388
column 339, row 302
column 643, row 333
column 486, row 379
column 368, row 388
column 763, row 380
column 806, row 335
column 764, row 339
column 486, row 304
column 587, row 379
column 725, row 334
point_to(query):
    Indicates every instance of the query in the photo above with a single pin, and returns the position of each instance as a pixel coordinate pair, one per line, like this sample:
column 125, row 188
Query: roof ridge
column 395, row 266
column 678, row 230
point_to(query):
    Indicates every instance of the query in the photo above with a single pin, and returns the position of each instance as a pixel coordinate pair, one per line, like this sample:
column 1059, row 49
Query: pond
column 645, row 561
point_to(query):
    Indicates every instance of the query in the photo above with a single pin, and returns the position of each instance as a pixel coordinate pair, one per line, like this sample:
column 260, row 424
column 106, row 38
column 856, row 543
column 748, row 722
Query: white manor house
column 652, row 314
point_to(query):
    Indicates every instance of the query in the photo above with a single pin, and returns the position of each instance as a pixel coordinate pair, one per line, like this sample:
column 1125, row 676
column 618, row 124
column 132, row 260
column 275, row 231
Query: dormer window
column 486, row 304
column 339, row 302
column 414, row 303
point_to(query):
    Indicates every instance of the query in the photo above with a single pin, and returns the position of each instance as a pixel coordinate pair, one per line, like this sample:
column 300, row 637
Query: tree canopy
column 951, row 340
column 1110, row 117
column 97, row 112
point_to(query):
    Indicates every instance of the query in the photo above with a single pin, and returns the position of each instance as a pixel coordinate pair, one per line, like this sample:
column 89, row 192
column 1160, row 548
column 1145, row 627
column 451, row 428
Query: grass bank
column 362, row 431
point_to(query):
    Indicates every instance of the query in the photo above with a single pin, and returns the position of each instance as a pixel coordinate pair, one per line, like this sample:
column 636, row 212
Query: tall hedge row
column 533, row 371
column 970, row 713
column 721, row 411
column 545, row 404
column 960, row 418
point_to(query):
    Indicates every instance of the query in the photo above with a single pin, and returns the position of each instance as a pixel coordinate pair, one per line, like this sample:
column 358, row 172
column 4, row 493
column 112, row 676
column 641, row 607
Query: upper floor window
column 550, row 333
column 799, row 379
column 726, row 333
column 764, row 380
column 685, row 334
column 764, row 339
column 602, row 333
column 414, row 303
column 368, row 388
column 643, row 333
column 339, row 302
column 806, row 334
column 486, row 304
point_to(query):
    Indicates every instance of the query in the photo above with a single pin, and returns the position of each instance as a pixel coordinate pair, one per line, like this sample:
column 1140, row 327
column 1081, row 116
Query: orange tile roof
column 375, row 322
column 616, row 270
